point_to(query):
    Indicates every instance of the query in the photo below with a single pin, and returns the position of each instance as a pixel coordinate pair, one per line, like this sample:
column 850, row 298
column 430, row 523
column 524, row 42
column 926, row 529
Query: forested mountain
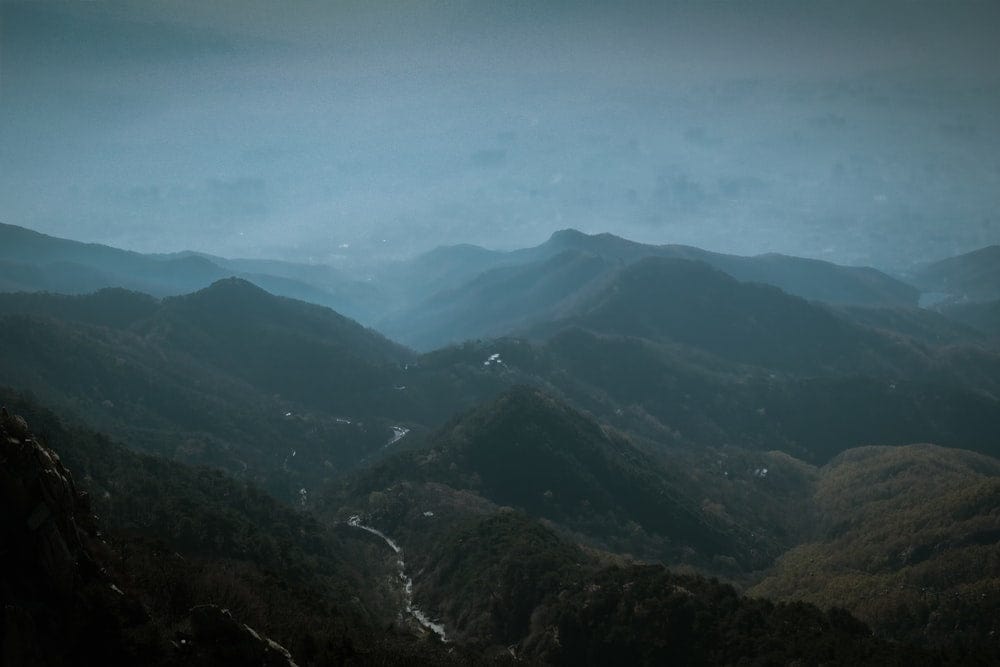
column 499, row 301
column 984, row 316
column 974, row 276
column 279, row 390
column 529, row 451
column 238, row 371
column 478, row 293
column 906, row 539
column 555, row 497
column 184, row 566
column 929, row 327
column 467, row 286
column 32, row 262
column 473, row 333
column 811, row 279
column 456, row 510
column 692, row 304
column 167, row 556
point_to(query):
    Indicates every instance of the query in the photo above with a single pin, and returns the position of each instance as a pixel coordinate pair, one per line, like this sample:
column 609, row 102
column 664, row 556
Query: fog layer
column 333, row 132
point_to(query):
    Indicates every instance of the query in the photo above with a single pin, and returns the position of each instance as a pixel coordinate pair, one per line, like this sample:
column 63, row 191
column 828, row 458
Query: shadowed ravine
column 411, row 609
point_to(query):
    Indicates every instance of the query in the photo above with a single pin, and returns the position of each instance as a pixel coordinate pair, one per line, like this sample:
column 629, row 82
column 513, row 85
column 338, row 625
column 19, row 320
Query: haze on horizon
column 863, row 133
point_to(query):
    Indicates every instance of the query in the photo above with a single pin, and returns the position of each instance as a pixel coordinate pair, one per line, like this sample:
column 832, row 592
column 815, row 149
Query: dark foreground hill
column 486, row 514
column 147, row 561
column 529, row 451
column 139, row 585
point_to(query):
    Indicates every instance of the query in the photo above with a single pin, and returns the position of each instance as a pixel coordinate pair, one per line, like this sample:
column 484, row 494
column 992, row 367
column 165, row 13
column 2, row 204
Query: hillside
column 163, row 548
column 529, row 451
column 284, row 392
column 170, row 575
column 690, row 303
column 292, row 394
column 465, row 512
column 672, row 415
column 466, row 286
column 112, row 307
column 984, row 316
column 33, row 262
column 907, row 540
column 809, row 278
column 498, row 301
column 241, row 329
column 456, row 293
column 973, row 276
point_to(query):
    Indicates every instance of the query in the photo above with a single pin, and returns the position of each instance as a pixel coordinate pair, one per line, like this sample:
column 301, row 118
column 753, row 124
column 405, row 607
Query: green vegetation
column 908, row 542
column 528, row 451
column 205, row 383
column 661, row 413
column 176, row 537
column 646, row 615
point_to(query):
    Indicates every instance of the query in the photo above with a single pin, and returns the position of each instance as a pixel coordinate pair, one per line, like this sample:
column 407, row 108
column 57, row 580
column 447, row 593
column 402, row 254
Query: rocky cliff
column 61, row 604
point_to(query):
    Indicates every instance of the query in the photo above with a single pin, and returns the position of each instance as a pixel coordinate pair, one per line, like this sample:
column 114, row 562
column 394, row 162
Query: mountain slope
column 908, row 537
column 974, row 276
column 984, row 316
column 460, row 292
column 690, row 303
column 236, row 378
column 531, row 452
column 31, row 262
column 498, row 301
column 809, row 278
column 303, row 352
column 111, row 307
column 180, row 544
column 182, row 593
column 285, row 392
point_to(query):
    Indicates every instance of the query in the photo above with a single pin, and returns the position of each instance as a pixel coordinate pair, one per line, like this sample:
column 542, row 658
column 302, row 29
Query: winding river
column 411, row 609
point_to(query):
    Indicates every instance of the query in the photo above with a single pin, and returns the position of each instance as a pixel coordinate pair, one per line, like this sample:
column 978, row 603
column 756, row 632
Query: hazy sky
column 861, row 132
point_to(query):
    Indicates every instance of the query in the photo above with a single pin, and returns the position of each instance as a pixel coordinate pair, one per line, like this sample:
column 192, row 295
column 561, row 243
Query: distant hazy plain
column 342, row 132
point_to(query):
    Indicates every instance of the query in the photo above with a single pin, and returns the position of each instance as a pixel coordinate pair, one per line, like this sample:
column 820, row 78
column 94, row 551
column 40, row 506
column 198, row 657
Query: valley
column 628, row 452
column 470, row 333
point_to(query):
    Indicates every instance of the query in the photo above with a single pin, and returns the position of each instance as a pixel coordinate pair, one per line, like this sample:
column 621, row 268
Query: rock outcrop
column 60, row 605
column 58, row 608
column 218, row 639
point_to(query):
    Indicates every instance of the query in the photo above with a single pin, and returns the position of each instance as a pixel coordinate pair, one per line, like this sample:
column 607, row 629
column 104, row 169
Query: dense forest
column 662, row 463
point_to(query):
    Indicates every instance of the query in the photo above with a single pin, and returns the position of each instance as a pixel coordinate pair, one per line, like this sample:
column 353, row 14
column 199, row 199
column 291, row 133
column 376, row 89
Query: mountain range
column 543, row 455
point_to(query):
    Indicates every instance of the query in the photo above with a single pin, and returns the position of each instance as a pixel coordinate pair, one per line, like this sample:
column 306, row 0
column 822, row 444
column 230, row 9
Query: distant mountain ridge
column 493, row 293
column 477, row 292
column 31, row 261
column 689, row 302
column 973, row 276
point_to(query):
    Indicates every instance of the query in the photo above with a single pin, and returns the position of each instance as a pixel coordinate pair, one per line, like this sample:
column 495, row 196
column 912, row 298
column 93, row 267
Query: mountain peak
column 229, row 288
column 568, row 235
column 233, row 283
column 227, row 296
column 605, row 244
